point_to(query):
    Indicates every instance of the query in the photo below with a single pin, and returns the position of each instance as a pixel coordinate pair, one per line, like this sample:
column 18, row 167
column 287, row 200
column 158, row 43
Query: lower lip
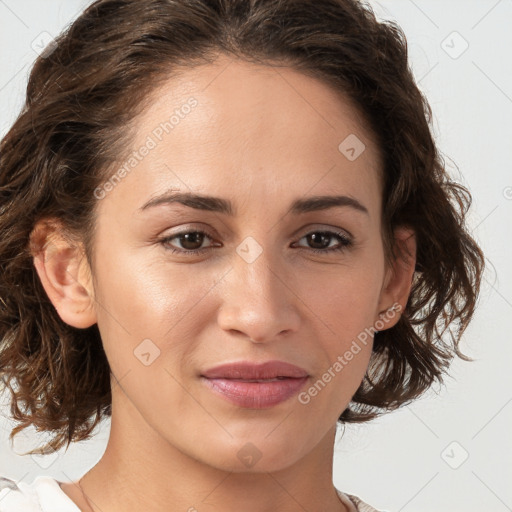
column 256, row 395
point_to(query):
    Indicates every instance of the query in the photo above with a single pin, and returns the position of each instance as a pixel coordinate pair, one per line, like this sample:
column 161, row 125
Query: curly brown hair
column 83, row 97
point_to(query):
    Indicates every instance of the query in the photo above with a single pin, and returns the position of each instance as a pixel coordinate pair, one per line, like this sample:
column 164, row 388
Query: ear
column 398, row 279
column 64, row 273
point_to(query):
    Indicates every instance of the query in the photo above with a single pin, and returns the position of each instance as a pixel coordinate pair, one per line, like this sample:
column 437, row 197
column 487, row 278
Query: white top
column 45, row 495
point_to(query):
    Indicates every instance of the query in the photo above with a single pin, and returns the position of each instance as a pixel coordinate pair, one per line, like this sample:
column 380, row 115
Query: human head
column 77, row 124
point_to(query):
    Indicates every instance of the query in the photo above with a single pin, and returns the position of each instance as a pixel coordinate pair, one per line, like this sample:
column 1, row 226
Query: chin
column 258, row 455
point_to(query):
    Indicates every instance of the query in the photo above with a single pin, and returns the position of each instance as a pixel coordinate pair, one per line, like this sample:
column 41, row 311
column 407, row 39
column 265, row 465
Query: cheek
column 343, row 349
column 139, row 299
column 347, row 296
column 344, row 303
column 151, row 330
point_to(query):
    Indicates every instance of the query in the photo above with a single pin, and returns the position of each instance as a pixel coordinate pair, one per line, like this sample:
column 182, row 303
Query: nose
column 259, row 302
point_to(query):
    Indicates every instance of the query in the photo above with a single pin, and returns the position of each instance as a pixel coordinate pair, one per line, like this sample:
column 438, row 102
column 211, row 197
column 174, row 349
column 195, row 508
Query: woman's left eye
column 191, row 241
column 320, row 238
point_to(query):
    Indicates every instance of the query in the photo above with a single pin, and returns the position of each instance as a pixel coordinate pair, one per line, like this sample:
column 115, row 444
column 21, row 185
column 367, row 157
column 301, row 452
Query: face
column 263, row 274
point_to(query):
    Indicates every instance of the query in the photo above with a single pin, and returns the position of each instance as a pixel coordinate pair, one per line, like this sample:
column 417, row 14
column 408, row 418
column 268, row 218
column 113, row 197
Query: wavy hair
column 82, row 100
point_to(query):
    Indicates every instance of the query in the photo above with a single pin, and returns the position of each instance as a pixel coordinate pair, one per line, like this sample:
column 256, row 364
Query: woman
column 225, row 224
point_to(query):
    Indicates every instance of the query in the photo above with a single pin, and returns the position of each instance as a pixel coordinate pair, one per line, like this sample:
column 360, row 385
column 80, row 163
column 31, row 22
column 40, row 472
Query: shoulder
column 355, row 504
column 42, row 494
column 19, row 496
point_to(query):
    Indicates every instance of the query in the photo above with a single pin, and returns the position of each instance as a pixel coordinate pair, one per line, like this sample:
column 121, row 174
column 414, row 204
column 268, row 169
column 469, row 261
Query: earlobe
column 399, row 276
column 64, row 274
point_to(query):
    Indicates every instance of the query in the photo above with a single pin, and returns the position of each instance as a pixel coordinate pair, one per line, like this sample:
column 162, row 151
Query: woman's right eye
column 187, row 239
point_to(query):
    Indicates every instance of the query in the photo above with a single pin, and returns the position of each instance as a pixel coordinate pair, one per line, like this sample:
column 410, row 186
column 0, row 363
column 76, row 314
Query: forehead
column 235, row 128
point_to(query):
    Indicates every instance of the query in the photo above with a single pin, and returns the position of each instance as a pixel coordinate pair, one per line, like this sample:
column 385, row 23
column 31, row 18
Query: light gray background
column 412, row 459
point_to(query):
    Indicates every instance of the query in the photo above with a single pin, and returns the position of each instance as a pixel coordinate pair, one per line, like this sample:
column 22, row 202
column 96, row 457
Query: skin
column 261, row 146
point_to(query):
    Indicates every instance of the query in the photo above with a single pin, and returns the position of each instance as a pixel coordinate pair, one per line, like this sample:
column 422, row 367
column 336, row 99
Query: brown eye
column 320, row 241
column 190, row 242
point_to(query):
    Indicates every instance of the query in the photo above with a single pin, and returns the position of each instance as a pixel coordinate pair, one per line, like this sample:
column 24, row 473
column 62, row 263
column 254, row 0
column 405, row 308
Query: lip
column 246, row 370
column 255, row 386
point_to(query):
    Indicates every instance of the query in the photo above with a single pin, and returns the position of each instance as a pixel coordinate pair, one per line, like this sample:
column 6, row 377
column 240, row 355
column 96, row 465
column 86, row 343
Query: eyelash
column 345, row 242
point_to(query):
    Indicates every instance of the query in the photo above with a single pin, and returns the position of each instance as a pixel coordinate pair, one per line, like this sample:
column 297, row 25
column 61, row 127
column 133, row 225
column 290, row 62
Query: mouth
column 255, row 386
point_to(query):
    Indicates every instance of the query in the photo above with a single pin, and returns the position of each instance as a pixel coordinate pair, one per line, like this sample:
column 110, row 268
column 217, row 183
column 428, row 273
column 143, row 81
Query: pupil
column 193, row 239
column 318, row 238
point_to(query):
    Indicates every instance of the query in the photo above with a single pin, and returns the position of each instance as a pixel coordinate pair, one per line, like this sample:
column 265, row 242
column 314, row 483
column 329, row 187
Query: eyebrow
column 219, row 205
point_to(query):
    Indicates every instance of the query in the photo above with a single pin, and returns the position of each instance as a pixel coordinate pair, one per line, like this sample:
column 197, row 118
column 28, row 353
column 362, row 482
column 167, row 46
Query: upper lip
column 250, row 370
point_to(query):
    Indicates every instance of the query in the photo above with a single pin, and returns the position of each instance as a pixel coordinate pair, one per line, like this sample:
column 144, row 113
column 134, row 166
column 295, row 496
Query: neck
column 152, row 473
